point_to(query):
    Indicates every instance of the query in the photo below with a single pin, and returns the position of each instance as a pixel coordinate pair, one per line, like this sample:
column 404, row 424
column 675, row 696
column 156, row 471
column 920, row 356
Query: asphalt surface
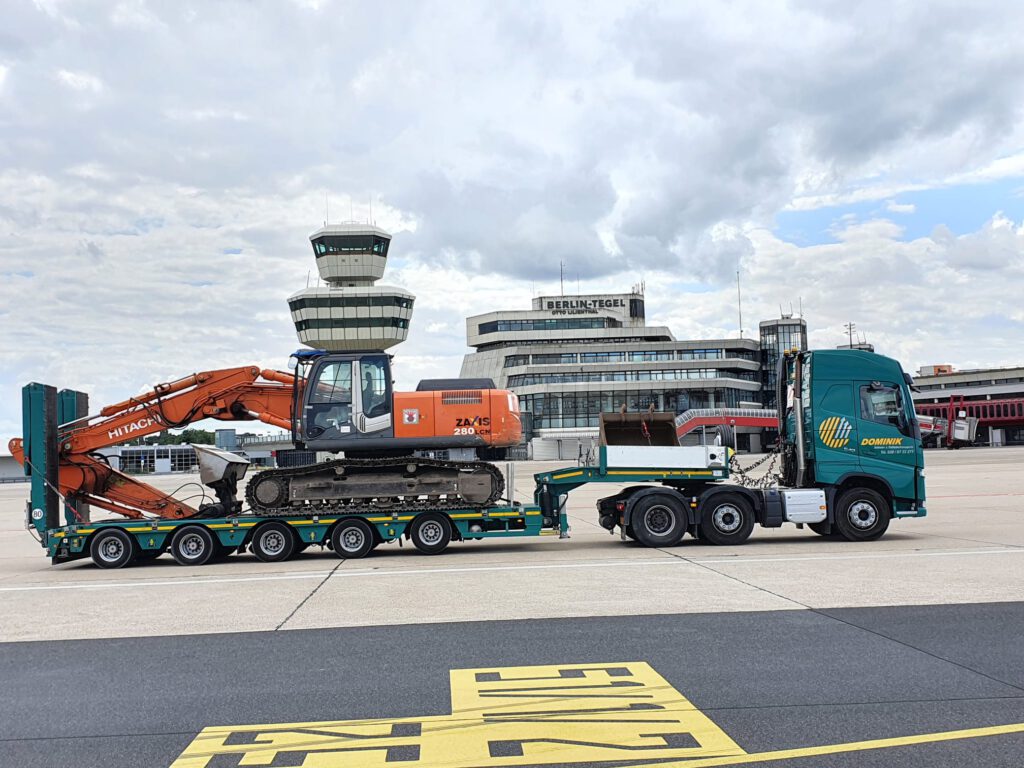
column 770, row 680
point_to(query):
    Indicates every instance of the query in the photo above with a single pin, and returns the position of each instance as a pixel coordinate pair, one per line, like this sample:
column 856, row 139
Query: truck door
column 835, row 432
column 888, row 447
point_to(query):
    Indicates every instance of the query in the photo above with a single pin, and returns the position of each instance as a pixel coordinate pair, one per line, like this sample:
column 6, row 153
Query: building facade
column 351, row 312
column 778, row 336
column 994, row 395
column 570, row 358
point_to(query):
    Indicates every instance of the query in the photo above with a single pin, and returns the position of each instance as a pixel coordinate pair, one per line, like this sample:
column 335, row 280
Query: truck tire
column 112, row 548
column 193, row 545
column 430, row 533
column 861, row 514
column 273, row 542
column 726, row 519
column 658, row 520
column 352, row 538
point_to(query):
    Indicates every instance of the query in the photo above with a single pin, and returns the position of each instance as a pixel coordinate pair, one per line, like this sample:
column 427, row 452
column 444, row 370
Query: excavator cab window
column 375, row 396
column 329, row 412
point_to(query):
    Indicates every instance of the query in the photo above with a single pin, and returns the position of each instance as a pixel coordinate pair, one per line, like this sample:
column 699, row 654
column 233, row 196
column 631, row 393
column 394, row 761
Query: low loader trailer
column 849, row 452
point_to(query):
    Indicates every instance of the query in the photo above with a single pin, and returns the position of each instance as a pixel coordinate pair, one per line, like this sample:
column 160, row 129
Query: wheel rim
column 192, row 546
column 862, row 514
column 352, row 539
column 272, row 542
column 111, row 549
column 431, row 532
column 658, row 520
column 727, row 518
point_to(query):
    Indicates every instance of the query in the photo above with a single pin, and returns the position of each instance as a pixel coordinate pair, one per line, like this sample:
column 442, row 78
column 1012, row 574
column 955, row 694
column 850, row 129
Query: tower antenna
column 327, row 211
column 371, row 210
column 561, row 278
column 739, row 301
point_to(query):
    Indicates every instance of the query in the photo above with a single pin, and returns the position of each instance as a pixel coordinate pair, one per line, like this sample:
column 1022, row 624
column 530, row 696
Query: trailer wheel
column 430, row 533
column 726, row 519
column 658, row 520
column 273, row 542
column 352, row 538
column 193, row 545
column 112, row 548
column 861, row 514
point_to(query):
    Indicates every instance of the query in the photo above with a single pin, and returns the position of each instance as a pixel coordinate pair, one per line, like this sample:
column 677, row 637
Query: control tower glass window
column 350, row 244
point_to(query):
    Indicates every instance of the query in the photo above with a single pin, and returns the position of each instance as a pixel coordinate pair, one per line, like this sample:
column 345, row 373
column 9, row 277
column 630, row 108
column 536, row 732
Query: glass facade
column 671, row 374
column 505, row 326
column 350, row 244
column 778, row 336
column 565, row 410
column 338, row 302
column 351, row 322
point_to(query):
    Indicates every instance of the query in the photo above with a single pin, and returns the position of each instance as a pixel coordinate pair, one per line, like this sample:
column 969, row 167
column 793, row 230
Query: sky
column 163, row 164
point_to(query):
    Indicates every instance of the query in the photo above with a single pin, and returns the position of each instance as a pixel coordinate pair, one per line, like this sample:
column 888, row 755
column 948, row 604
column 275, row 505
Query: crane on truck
column 331, row 402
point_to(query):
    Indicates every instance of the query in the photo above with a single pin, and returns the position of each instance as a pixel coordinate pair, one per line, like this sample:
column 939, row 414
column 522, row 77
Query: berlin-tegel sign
column 622, row 713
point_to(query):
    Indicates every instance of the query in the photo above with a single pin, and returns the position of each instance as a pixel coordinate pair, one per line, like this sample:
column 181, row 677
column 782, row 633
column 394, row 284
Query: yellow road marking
column 539, row 715
column 853, row 746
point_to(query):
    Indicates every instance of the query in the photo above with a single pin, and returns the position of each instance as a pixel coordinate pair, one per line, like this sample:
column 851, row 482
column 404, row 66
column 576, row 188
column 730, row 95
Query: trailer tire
column 352, row 538
column 658, row 520
column 273, row 542
column 112, row 548
column 430, row 533
column 727, row 519
column 861, row 514
column 193, row 545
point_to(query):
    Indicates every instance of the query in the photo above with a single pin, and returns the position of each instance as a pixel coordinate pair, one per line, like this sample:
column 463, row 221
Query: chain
column 765, row 481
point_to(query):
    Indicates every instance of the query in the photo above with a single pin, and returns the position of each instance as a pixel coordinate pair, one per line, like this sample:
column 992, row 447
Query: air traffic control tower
column 351, row 312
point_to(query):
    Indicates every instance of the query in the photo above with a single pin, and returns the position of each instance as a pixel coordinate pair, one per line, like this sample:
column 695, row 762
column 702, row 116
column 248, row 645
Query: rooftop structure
column 351, row 312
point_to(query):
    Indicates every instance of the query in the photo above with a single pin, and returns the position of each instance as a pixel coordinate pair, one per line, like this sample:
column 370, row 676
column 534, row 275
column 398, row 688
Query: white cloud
column 894, row 207
column 3, row 75
column 80, row 81
column 496, row 141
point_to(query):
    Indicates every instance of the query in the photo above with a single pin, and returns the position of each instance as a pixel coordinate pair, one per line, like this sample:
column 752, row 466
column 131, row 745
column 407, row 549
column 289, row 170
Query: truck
column 849, row 450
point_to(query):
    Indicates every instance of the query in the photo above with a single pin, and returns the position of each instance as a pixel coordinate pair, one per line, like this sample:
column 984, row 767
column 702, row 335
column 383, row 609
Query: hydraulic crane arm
column 230, row 394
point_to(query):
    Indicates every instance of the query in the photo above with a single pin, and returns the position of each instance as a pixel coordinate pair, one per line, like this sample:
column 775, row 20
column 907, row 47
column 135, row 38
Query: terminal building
column 351, row 312
column 570, row 358
column 995, row 396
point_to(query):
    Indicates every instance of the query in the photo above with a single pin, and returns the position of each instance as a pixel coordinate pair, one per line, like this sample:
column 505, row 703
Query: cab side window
column 334, row 384
column 880, row 404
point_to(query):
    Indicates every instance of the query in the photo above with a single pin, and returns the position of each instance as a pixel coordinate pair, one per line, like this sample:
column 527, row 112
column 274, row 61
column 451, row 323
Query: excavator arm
column 231, row 394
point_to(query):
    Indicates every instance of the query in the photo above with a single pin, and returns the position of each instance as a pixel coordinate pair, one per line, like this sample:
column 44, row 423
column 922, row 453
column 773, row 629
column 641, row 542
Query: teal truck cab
column 847, row 426
column 851, row 460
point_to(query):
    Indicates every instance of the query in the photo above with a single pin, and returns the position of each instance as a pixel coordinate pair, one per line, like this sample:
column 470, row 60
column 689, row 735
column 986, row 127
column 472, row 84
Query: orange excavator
column 334, row 403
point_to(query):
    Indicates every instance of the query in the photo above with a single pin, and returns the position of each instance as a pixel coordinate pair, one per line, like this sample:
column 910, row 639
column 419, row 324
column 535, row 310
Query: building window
column 351, row 322
column 565, row 358
column 350, row 244
column 341, row 302
column 505, row 326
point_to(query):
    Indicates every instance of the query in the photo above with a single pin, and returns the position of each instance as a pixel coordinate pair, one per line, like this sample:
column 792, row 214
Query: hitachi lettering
column 882, row 441
column 132, row 426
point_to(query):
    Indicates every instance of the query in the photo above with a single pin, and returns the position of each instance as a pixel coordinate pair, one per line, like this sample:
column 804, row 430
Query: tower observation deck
column 351, row 312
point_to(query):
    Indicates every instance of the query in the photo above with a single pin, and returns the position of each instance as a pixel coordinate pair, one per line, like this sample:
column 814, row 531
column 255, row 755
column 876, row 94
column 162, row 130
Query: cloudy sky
column 162, row 165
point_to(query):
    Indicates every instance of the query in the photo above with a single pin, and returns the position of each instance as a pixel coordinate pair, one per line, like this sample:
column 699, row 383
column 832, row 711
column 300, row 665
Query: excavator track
column 399, row 484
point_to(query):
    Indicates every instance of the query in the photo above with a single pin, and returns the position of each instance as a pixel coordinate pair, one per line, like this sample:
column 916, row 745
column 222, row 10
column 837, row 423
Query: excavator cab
column 343, row 401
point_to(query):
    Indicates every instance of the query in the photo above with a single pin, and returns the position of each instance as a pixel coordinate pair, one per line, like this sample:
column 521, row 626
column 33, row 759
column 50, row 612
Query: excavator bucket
column 644, row 428
column 216, row 465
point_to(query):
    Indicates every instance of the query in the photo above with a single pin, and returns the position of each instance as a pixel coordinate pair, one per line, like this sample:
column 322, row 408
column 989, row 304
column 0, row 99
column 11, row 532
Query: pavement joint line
column 312, row 592
column 673, row 560
column 905, row 644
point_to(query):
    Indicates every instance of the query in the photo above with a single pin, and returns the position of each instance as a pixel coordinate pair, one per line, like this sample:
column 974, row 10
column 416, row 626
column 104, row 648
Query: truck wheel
column 727, row 519
column 193, row 545
column 112, row 548
column 658, row 520
column 273, row 542
column 861, row 514
column 430, row 533
column 352, row 538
